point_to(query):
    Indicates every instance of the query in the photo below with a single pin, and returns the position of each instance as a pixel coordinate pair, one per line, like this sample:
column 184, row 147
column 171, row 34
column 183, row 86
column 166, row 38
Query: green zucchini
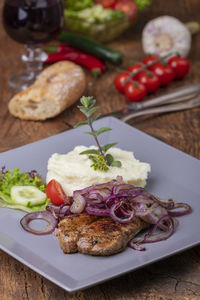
column 92, row 47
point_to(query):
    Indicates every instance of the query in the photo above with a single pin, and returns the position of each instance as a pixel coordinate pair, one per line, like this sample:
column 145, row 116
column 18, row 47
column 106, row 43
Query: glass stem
column 34, row 58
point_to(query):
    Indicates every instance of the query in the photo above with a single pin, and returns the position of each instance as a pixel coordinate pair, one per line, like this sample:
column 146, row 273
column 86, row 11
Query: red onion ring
column 39, row 215
column 58, row 211
column 113, row 214
column 136, row 246
column 150, row 238
column 121, row 202
column 124, row 187
column 187, row 210
column 169, row 204
column 97, row 211
column 78, row 204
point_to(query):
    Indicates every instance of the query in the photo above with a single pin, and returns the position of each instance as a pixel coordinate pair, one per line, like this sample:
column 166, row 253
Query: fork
column 194, row 102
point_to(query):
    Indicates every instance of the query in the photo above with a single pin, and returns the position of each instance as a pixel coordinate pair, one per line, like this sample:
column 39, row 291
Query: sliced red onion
column 123, row 219
column 136, row 246
column 116, row 197
column 121, row 187
column 58, row 211
column 169, row 204
column 150, row 238
column 97, row 197
column 117, row 189
column 42, row 215
column 121, row 202
column 96, row 205
column 143, row 198
column 155, row 215
column 144, row 209
column 124, row 212
column 53, row 208
column 64, row 209
column 107, row 186
column 78, row 204
column 97, row 211
column 187, row 210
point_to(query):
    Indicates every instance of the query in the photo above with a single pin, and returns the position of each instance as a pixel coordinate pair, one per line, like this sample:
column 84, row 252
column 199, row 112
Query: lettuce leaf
column 3, row 203
column 14, row 177
column 142, row 4
column 78, row 4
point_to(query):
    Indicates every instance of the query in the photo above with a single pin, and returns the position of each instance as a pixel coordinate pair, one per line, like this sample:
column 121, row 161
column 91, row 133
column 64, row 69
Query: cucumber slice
column 27, row 195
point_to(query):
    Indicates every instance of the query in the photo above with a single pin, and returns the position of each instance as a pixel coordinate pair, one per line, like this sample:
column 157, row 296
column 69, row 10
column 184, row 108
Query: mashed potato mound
column 73, row 171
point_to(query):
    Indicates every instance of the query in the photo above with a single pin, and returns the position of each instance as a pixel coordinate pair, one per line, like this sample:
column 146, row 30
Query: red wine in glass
column 31, row 22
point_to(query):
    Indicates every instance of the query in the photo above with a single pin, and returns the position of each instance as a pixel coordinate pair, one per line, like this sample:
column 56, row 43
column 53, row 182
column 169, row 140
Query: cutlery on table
column 175, row 96
column 194, row 102
column 179, row 99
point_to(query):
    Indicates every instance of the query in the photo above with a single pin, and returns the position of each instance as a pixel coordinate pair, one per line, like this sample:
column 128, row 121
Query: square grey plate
column 174, row 174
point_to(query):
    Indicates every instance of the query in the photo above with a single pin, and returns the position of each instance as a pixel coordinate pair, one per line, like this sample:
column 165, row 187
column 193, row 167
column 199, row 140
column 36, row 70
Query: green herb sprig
column 101, row 160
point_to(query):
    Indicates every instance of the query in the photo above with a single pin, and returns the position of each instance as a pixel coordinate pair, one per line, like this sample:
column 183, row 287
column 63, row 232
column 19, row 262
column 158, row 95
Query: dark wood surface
column 177, row 277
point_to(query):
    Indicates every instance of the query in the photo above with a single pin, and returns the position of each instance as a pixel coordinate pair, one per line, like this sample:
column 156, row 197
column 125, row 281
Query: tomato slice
column 106, row 3
column 128, row 7
column 55, row 193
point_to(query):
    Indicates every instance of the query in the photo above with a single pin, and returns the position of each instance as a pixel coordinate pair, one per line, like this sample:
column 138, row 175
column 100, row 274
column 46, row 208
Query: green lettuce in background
column 77, row 5
column 142, row 4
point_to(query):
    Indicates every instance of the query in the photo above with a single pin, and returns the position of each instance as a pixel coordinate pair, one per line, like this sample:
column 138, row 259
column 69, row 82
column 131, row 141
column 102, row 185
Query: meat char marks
column 96, row 235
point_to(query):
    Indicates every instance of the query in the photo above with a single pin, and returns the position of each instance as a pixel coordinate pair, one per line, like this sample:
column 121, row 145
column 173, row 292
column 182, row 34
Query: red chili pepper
column 65, row 52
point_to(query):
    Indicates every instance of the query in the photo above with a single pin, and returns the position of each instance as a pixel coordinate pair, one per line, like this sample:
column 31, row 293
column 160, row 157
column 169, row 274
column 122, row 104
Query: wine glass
column 31, row 22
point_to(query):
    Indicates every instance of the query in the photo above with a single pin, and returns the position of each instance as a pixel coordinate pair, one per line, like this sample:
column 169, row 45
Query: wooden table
column 177, row 277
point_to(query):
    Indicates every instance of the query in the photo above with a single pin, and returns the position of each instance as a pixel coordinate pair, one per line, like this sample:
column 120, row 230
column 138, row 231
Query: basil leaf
column 106, row 147
column 109, row 159
column 94, row 118
column 116, row 163
column 92, row 110
column 81, row 124
column 90, row 151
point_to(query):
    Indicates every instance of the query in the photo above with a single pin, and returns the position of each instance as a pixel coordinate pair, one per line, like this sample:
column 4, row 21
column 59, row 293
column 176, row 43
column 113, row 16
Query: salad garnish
column 20, row 190
column 100, row 160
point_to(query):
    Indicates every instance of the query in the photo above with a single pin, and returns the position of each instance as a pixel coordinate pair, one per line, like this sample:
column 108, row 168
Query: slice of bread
column 55, row 89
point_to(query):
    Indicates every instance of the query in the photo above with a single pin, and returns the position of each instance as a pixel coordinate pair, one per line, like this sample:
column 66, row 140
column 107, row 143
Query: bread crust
column 56, row 88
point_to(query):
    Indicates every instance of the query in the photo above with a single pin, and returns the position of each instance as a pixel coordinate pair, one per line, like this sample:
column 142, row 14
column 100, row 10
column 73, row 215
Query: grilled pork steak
column 96, row 235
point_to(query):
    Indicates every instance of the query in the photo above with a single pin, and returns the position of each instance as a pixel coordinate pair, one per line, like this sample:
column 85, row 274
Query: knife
column 191, row 103
column 178, row 95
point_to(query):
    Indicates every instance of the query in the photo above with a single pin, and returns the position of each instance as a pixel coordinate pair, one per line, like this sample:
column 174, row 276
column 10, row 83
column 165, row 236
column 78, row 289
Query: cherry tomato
column 120, row 80
column 135, row 91
column 55, row 192
column 150, row 59
column 128, row 7
column 164, row 73
column 180, row 66
column 134, row 68
column 150, row 81
column 107, row 3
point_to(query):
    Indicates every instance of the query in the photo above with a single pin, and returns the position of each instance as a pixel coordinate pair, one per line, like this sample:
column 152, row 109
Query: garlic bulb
column 165, row 35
